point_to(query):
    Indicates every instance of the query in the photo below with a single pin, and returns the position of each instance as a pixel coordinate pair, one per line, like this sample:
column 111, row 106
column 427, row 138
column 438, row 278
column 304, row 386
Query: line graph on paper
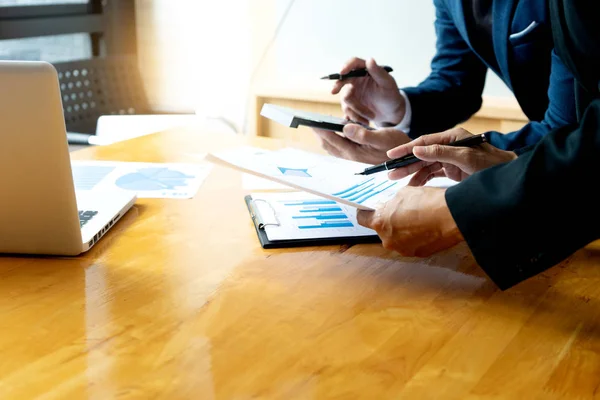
column 318, row 174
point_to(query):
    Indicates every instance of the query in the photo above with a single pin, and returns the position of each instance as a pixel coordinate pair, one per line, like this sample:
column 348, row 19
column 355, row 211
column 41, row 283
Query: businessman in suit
column 512, row 38
column 519, row 217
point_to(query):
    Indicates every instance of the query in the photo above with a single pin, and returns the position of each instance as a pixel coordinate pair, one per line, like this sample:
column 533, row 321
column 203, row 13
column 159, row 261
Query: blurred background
column 217, row 61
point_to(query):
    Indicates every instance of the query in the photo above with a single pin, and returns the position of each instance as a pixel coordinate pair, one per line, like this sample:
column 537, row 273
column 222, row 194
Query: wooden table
column 179, row 301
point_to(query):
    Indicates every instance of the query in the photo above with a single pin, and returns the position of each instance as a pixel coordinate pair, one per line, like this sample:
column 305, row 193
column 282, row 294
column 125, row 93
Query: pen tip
column 325, row 77
column 358, row 173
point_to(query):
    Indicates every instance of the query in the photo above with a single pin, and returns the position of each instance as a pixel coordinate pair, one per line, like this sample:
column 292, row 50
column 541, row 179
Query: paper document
column 325, row 176
column 253, row 182
column 147, row 180
column 299, row 215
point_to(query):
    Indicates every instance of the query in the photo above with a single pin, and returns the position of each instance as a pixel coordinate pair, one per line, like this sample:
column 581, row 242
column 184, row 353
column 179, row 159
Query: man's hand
column 456, row 163
column 375, row 97
column 416, row 222
column 360, row 144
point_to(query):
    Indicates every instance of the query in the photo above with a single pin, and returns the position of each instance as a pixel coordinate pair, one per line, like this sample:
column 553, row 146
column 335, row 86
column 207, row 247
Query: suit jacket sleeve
column 561, row 111
column 523, row 217
column 454, row 87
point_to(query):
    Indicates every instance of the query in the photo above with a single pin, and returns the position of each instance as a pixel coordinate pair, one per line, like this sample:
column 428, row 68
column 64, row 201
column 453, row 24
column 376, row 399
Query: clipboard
column 260, row 224
column 294, row 118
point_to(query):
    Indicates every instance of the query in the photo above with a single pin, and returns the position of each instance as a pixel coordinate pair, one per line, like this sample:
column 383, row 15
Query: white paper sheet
column 253, row 182
column 147, row 180
column 321, row 175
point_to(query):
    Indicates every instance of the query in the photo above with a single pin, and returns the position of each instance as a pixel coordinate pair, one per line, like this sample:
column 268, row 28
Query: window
column 50, row 30
column 9, row 3
column 47, row 48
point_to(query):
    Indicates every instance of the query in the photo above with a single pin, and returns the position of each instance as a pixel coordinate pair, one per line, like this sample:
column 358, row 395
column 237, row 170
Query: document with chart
column 325, row 176
column 147, row 180
column 300, row 215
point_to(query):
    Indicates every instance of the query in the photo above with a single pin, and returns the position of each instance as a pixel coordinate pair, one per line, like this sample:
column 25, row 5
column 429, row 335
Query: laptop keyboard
column 85, row 216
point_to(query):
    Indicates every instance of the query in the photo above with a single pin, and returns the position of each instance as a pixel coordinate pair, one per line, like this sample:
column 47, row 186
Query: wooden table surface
column 179, row 301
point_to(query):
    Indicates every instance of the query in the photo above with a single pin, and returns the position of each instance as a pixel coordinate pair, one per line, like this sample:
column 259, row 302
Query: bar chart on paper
column 318, row 214
column 367, row 189
column 301, row 215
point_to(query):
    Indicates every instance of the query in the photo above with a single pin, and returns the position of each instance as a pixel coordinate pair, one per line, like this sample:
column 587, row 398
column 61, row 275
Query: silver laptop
column 40, row 212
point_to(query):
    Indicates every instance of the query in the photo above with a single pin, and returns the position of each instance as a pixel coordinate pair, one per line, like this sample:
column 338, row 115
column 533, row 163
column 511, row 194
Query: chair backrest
column 100, row 86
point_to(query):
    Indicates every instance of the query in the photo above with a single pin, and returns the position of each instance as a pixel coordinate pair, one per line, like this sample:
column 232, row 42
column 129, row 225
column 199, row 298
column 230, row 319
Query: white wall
column 195, row 55
column 205, row 54
column 318, row 36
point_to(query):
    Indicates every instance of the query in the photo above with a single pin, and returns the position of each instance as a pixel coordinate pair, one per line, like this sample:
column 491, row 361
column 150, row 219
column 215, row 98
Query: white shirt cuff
column 404, row 125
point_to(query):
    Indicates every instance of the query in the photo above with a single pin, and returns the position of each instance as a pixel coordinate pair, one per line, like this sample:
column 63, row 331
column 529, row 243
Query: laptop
column 40, row 212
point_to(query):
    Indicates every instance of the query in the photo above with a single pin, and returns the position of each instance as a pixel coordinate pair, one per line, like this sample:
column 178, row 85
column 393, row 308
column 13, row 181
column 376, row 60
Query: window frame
column 20, row 22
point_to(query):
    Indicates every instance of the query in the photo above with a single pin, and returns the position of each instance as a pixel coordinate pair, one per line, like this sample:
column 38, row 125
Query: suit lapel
column 503, row 15
column 460, row 21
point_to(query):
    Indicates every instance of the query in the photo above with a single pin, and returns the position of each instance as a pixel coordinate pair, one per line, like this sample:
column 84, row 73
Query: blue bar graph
column 320, row 209
column 318, row 214
column 365, row 190
column 362, row 199
column 364, row 193
column 339, row 194
column 310, row 203
column 322, row 216
column 341, row 224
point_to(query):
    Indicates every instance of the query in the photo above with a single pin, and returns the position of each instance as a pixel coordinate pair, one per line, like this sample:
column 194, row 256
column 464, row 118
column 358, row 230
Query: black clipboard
column 294, row 118
column 259, row 226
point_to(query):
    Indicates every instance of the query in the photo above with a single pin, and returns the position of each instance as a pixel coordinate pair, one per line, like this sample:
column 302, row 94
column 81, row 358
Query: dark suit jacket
column 527, row 64
column 523, row 217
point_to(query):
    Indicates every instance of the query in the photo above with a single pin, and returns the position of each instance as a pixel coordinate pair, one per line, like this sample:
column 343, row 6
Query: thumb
column 379, row 75
column 439, row 153
column 364, row 217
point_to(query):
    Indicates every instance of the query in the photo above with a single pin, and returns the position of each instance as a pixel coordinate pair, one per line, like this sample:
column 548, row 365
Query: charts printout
column 325, row 176
column 147, row 180
column 301, row 215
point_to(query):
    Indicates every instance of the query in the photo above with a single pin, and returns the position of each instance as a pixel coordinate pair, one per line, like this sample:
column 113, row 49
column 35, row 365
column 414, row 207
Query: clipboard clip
column 257, row 216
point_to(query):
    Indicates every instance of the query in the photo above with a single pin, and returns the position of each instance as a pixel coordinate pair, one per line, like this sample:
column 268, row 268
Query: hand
column 375, row 97
column 456, row 163
column 360, row 144
column 416, row 222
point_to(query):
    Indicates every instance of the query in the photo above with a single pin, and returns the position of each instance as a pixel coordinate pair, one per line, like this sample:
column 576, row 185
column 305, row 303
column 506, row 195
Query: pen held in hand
column 355, row 73
column 410, row 158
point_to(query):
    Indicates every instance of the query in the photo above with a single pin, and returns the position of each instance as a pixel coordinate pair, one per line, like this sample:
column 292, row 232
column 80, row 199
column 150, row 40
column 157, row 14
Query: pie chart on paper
column 150, row 179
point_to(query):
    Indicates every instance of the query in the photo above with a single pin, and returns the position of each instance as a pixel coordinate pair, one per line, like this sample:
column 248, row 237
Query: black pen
column 410, row 158
column 355, row 73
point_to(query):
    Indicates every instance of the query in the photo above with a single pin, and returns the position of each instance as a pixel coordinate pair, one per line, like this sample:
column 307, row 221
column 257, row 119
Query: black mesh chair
column 100, row 86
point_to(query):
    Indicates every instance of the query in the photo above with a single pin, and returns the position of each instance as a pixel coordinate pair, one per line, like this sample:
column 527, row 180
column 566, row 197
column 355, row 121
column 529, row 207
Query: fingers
column 441, row 153
column 425, row 174
column 380, row 138
column 339, row 85
column 351, row 99
column 331, row 149
column 403, row 172
column 379, row 75
column 353, row 63
column 454, row 173
column 442, row 173
column 335, row 144
column 353, row 116
column 406, row 149
column 355, row 108
column 365, row 218
column 426, row 140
